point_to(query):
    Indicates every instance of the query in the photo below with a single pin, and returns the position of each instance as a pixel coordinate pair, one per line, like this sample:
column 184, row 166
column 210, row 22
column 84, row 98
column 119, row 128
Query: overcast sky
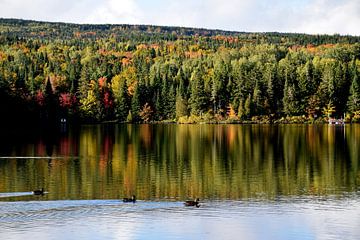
column 304, row 16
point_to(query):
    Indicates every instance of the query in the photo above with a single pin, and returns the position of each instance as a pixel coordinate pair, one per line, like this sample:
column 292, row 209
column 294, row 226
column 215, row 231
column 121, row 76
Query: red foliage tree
column 40, row 98
column 67, row 100
column 108, row 100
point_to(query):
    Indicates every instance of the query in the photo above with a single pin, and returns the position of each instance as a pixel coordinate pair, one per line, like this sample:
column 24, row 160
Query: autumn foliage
column 145, row 73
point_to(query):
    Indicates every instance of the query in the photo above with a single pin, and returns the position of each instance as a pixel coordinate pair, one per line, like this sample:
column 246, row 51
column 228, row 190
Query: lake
column 253, row 181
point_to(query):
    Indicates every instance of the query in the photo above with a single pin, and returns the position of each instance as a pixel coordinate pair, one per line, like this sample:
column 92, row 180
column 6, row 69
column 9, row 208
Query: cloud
column 305, row 16
column 204, row 14
column 331, row 17
column 115, row 11
column 29, row 9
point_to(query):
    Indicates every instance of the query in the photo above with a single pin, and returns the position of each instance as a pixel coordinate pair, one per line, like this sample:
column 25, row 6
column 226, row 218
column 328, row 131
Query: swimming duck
column 190, row 203
column 132, row 199
column 39, row 191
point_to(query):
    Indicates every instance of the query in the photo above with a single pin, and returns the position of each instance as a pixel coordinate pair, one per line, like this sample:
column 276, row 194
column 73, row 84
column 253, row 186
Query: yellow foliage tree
column 146, row 113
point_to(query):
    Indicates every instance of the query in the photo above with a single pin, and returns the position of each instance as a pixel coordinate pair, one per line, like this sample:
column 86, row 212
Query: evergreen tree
column 307, row 85
column 181, row 105
column 72, row 79
column 180, row 80
column 219, row 95
column 171, row 107
column 258, row 99
column 161, row 78
column 198, row 98
column 240, row 79
column 353, row 103
column 241, row 110
column 122, row 99
column 30, row 81
column 50, row 104
column 136, row 104
column 289, row 100
column 328, row 80
column 343, row 88
column 248, row 107
column 269, row 79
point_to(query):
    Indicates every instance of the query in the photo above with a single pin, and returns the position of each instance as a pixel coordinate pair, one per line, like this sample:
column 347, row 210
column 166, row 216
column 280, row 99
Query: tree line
column 167, row 75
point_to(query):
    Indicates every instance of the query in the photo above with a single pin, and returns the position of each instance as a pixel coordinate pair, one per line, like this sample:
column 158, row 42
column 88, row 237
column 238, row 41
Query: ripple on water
column 56, row 212
column 283, row 218
column 15, row 194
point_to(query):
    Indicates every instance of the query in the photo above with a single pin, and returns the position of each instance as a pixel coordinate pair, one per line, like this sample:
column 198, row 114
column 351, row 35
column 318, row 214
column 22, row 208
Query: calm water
column 254, row 182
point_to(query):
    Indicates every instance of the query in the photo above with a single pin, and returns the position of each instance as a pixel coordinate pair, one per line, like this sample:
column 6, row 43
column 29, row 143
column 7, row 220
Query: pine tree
column 219, row 95
column 181, row 104
column 241, row 110
column 136, row 104
column 353, row 103
column 269, row 79
column 180, row 80
column 72, row 79
column 50, row 104
column 122, row 98
column 198, row 98
column 30, row 81
column 248, row 107
column 171, row 109
column 289, row 100
column 307, row 85
column 258, row 99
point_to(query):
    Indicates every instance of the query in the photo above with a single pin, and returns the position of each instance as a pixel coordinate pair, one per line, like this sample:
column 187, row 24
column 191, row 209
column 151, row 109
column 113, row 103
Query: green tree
column 289, row 100
column 219, row 94
column 307, row 84
column 270, row 78
column 90, row 104
column 248, row 107
column 241, row 109
column 329, row 109
column 181, row 104
column 136, row 104
column 353, row 103
column 198, row 98
column 121, row 95
column 258, row 99
column 31, row 81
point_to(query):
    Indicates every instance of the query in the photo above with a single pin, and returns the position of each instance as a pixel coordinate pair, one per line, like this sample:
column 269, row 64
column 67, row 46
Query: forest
column 52, row 72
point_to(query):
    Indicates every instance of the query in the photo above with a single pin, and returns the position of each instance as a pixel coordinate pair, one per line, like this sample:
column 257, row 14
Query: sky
column 301, row 16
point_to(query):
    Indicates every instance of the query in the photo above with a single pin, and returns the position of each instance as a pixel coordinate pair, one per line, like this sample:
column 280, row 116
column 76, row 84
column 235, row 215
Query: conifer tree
column 289, row 100
column 198, row 99
column 354, row 98
column 136, row 104
column 122, row 99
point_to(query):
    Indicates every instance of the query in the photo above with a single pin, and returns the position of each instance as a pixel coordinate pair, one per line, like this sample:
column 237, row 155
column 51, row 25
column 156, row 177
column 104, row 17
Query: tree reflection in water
column 181, row 161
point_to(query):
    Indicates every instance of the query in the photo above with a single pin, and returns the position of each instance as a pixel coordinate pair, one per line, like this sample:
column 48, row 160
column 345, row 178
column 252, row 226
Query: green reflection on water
column 180, row 161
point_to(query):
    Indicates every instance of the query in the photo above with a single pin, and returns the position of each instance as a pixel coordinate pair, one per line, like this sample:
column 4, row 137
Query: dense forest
column 135, row 73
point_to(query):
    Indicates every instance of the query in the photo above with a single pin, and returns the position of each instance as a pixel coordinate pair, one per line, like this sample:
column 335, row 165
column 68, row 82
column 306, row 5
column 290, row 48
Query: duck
column 39, row 191
column 190, row 203
column 132, row 199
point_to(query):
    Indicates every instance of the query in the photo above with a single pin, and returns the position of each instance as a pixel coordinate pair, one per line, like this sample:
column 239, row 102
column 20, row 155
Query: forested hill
column 139, row 73
column 17, row 28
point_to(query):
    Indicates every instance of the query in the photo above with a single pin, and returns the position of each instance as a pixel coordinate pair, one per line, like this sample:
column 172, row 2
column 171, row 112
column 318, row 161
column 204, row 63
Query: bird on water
column 191, row 203
column 132, row 199
column 39, row 191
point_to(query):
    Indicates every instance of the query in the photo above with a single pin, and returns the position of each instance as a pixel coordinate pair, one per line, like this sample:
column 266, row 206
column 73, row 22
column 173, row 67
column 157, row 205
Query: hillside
column 138, row 73
column 50, row 30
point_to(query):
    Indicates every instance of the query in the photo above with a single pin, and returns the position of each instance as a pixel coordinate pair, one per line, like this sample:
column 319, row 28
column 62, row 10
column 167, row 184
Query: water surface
column 254, row 181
